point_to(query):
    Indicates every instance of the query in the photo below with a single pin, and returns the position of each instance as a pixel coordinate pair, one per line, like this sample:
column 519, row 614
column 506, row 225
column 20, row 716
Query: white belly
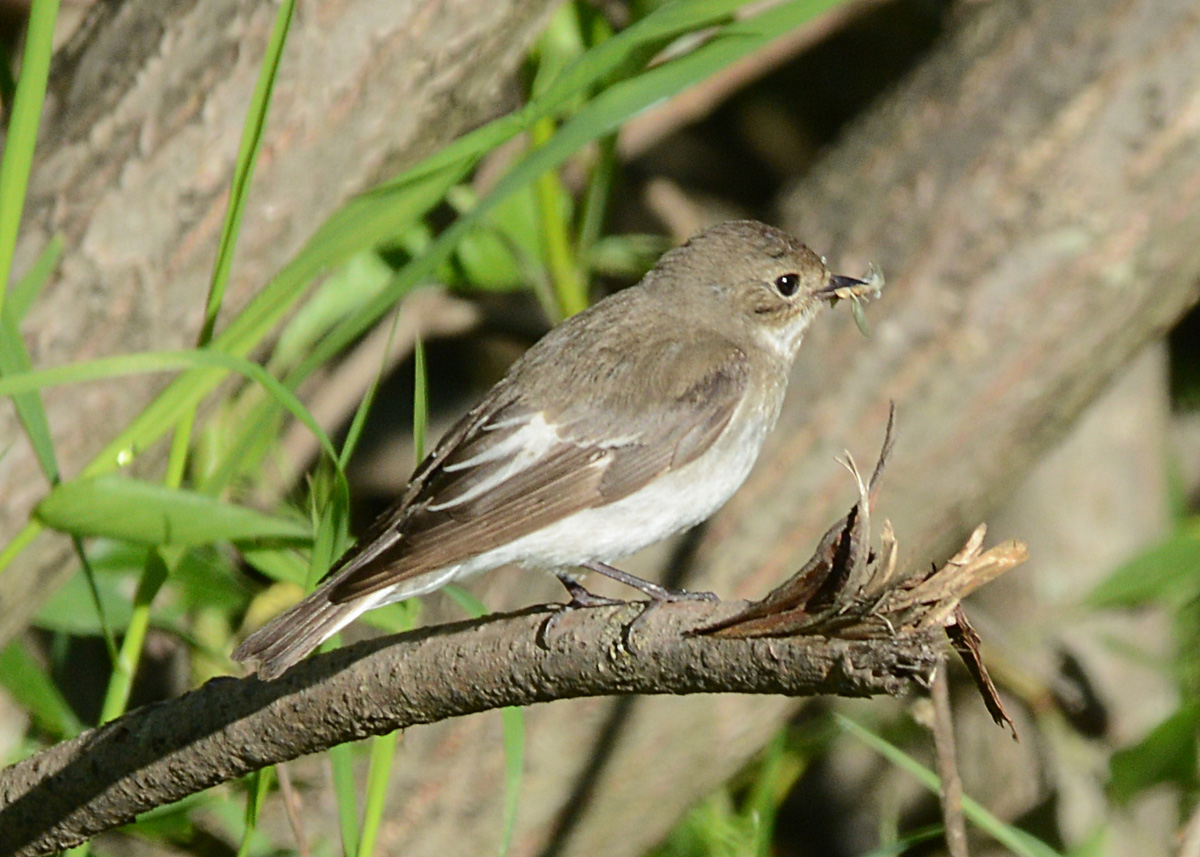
column 675, row 501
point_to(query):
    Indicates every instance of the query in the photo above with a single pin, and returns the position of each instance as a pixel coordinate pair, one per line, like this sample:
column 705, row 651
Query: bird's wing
column 510, row 468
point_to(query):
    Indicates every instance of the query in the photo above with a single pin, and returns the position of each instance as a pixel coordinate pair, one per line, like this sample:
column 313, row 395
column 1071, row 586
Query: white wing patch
column 518, row 451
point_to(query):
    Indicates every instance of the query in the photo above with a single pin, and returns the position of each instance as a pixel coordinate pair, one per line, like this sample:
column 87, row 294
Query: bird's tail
column 291, row 635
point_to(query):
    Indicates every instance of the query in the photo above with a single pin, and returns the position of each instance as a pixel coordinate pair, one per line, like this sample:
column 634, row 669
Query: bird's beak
column 839, row 287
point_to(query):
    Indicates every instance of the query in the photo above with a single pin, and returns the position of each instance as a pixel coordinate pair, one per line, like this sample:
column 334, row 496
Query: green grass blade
column 14, row 360
column 148, row 513
column 341, row 758
column 632, row 45
column 256, row 796
column 553, row 207
column 21, row 135
column 420, row 400
column 243, row 174
column 215, row 362
column 120, row 684
column 32, row 689
column 514, row 762
column 25, row 291
column 907, row 842
column 1165, row 573
column 93, row 586
column 379, row 775
column 1017, row 841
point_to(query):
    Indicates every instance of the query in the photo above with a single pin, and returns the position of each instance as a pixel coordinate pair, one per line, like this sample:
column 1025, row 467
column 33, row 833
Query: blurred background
column 1026, row 175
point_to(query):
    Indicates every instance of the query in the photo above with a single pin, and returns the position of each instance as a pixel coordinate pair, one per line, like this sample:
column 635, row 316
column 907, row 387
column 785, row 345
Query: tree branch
column 230, row 727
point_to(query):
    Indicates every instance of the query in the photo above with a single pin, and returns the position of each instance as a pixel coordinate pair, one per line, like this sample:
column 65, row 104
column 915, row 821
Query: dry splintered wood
column 821, row 632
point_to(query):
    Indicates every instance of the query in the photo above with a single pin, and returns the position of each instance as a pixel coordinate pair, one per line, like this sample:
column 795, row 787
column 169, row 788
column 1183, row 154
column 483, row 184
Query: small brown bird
column 635, row 419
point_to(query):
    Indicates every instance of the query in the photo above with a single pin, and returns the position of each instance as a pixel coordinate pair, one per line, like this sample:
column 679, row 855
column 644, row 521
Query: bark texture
column 145, row 109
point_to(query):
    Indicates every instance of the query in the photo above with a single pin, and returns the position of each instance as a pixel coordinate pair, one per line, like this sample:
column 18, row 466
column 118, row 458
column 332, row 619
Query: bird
column 630, row 421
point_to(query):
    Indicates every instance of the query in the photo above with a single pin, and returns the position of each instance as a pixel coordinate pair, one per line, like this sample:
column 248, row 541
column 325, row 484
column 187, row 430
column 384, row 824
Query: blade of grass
column 553, row 207
column 31, row 413
column 513, row 720
column 1017, row 841
column 163, row 361
column 21, row 135
column 341, row 760
column 89, row 576
column 558, row 46
column 243, row 173
column 379, row 775
column 260, row 787
column 159, row 565
column 14, row 360
column 25, row 291
column 420, row 400
column 35, row 691
column 120, row 683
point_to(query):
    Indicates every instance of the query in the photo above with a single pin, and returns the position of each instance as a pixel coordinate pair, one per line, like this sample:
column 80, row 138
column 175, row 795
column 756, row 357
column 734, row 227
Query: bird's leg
column 580, row 595
column 657, row 593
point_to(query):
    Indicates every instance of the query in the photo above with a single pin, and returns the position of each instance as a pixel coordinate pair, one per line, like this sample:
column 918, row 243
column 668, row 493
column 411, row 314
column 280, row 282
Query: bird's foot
column 658, row 595
column 581, row 596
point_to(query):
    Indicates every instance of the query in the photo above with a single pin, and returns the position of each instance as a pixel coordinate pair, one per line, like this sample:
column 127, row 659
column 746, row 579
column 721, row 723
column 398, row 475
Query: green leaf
column 70, row 609
column 27, row 681
column 379, row 777
column 152, row 514
column 1166, row 755
column 514, row 732
column 125, row 666
column 14, row 358
column 21, row 134
column 502, row 253
column 1167, row 573
column 204, row 578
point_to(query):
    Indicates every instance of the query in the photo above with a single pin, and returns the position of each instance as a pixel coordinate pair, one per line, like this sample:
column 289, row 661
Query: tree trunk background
column 1032, row 192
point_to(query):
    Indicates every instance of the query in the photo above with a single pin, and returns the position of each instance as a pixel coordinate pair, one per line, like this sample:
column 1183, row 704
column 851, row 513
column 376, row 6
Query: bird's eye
column 787, row 284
